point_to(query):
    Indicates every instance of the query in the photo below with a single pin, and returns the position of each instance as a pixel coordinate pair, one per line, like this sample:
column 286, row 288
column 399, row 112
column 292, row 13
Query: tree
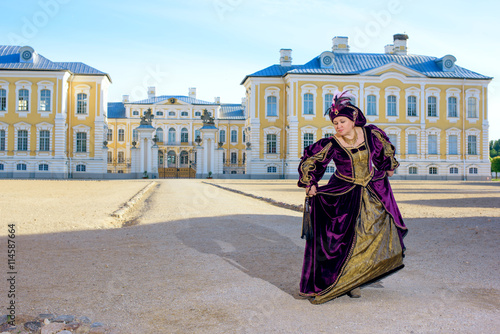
column 494, row 148
column 495, row 165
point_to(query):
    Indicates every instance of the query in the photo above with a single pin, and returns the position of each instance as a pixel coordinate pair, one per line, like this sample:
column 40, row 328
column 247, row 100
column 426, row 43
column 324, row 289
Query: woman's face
column 343, row 125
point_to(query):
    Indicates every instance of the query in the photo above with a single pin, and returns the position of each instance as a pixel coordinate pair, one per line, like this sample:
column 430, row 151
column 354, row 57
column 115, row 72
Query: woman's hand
column 311, row 191
column 390, row 173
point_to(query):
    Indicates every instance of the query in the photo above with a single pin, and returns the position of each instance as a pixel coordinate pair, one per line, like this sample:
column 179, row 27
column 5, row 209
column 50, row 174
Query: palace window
column 44, row 140
column 234, row 157
column 433, row 170
column 81, row 142
column 391, row 106
column 432, row 106
column 43, row 167
column 159, row 113
column 171, row 113
column 135, row 135
column 3, row 100
column 308, row 139
column 453, row 144
column 171, row 158
column 197, row 133
column 272, row 106
column 24, row 99
column 393, row 138
column 432, row 144
column 471, row 145
column 271, row 143
column 184, row 113
column 171, row 136
column 371, row 105
column 2, row 140
column 121, row 135
column 328, row 101
column 412, row 106
column 328, row 135
column 44, row 100
column 184, row 158
column 234, row 136
column 413, row 171
column 453, row 170
column 135, row 113
column 197, row 113
column 2, row 167
column 452, row 107
column 110, row 156
column 22, row 140
column 81, row 168
column 222, row 136
column 81, row 103
column 472, row 107
column 121, row 157
column 308, row 104
column 473, row 170
column 184, row 135
column 272, row 169
column 159, row 134
column 21, row 167
column 412, row 144
column 110, row 135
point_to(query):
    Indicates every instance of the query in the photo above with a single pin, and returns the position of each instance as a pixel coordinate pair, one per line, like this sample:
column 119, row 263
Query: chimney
column 192, row 92
column 340, row 44
column 400, row 47
column 389, row 49
column 125, row 99
column 217, row 99
column 151, row 92
column 286, row 57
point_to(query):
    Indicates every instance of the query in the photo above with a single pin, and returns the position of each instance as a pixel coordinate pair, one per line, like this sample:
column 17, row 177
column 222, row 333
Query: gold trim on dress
column 388, row 149
column 310, row 164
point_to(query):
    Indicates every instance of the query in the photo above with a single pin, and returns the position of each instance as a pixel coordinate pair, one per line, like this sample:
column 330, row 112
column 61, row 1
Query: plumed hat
column 342, row 106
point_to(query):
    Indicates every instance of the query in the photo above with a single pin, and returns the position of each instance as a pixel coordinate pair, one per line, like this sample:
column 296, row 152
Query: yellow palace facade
column 52, row 117
column 435, row 112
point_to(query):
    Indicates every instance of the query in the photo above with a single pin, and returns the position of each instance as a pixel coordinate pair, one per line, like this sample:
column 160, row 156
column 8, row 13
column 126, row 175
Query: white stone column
column 145, row 134
column 210, row 161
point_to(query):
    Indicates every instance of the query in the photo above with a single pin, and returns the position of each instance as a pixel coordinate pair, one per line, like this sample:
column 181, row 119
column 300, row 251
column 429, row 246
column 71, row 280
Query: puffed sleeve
column 383, row 158
column 314, row 162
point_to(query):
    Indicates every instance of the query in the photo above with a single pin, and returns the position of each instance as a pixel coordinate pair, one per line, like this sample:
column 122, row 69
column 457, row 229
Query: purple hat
column 342, row 106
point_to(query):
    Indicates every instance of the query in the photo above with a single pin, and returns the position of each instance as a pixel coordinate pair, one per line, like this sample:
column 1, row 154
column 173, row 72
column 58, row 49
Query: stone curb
column 131, row 202
column 294, row 207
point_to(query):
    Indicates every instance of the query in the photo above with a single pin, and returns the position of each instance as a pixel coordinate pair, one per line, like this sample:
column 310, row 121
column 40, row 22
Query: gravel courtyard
column 195, row 258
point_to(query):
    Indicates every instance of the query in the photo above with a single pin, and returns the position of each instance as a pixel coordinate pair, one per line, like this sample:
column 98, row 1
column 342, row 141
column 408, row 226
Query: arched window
column 121, row 157
column 110, row 135
column 184, row 135
column 43, row 167
column 391, row 106
column 272, row 106
column 171, row 136
column 473, row 170
column 412, row 106
column 413, row 170
column 222, row 136
column 135, row 135
column 234, row 136
column 171, row 159
column 24, row 100
column 184, row 158
column 110, row 156
column 453, row 170
column 159, row 134
column 81, row 168
column 21, row 167
column 271, row 169
column 3, row 100
column 308, row 104
column 45, row 100
column 234, row 157
column 433, row 170
column 160, row 158
column 81, row 103
column 452, row 107
column 371, row 105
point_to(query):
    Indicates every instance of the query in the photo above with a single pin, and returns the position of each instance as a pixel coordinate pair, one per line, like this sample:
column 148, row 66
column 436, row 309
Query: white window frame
column 477, row 133
column 235, row 129
column 23, row 84
column 429, row 170
column 121, row 128
column 86, row 129
column 272, row 130
column 453, row 92
column 5, row 85
column 397, row 132
column 307, row 129
column 328, row 89
column 219, row 137
column 50, row 87
column 272, row 166
column 412, row 131
column 5, row 127
column 272, row 91
column 437, row 132
column 395, row 91
column 475, row 93
column 44, row 127
column 82, row 89
column 435, row 92
column 186, row 133
column 453, row 166
column 17, row 127
column 79, row 163
column 412, row 166
column 453, row 132
column 308, row 89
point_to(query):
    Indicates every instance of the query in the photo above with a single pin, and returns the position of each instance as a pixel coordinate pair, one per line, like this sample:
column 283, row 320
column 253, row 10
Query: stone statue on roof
column 207, row 119
column 147, row 119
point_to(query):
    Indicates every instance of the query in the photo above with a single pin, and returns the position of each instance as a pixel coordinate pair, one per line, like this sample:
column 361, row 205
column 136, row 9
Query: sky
column 213, row 44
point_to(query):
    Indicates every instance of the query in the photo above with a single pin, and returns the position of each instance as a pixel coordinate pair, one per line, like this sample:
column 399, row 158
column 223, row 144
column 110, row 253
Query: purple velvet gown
column 358, row 229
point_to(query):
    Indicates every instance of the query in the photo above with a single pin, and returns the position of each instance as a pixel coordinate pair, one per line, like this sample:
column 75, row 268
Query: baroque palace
column 55, row 121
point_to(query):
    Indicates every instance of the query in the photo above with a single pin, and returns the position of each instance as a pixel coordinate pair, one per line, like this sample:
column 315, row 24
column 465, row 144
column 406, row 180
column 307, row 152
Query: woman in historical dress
column 357, row 227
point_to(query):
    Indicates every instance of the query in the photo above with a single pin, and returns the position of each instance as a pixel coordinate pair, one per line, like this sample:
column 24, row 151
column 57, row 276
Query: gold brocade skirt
column 376, row 249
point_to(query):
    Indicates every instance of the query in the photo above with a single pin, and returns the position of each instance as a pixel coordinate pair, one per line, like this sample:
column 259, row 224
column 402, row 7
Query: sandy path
column 205, row 260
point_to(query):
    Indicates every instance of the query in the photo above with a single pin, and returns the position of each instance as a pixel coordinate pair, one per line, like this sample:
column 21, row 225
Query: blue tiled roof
column 357, row 63
column 231, row 111
column 116, row 110
column 10, row 60
column 183, row 98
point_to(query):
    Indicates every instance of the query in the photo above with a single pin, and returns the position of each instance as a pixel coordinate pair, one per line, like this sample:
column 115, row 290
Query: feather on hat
column 342, row 106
